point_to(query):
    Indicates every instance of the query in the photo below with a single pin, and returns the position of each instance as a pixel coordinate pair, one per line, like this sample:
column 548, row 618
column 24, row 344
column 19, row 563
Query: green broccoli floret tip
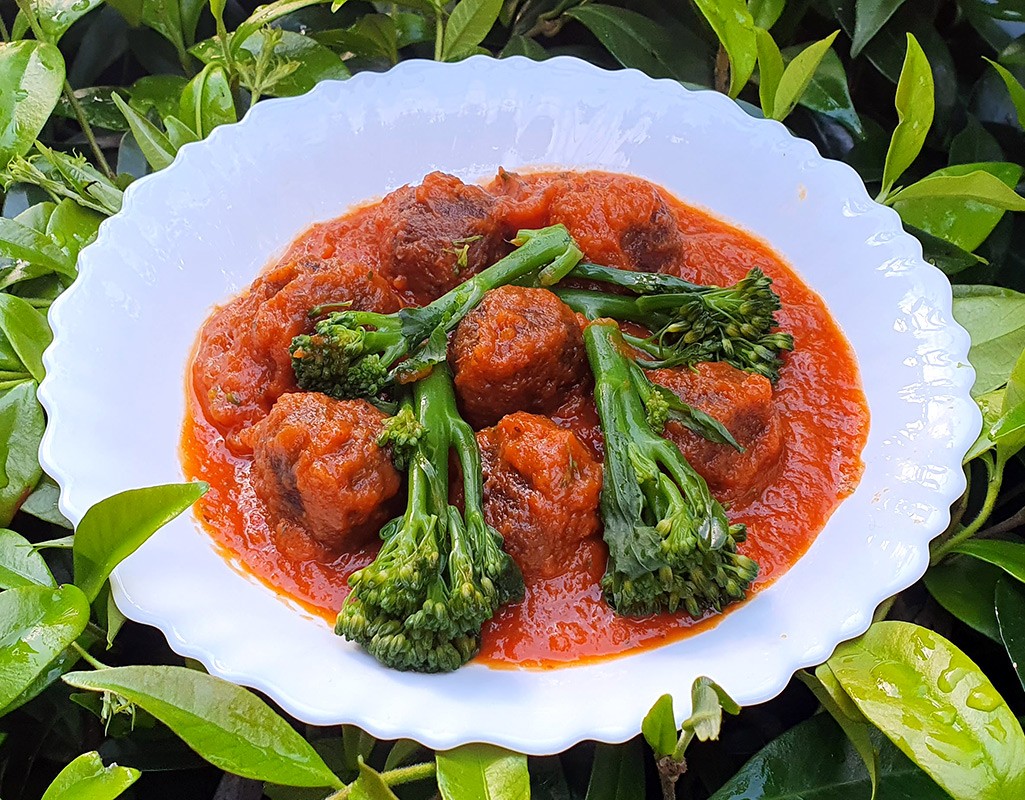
column 691, row 323
column 441, row 573
column 671, row 545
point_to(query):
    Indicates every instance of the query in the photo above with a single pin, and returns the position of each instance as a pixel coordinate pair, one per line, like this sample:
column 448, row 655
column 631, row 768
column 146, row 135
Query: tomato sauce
column 818, row 403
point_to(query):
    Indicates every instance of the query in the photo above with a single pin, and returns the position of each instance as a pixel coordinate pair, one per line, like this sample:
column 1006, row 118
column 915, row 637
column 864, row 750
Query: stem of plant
column 395, row 777
column 95, row 663
column 996, row 480
column 438, row 33
column 87, row 129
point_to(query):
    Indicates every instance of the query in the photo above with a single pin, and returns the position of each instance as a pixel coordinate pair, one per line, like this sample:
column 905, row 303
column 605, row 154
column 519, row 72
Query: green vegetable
column 670, row 544
column 691, row 323
column 359, row 353
column 440, row 573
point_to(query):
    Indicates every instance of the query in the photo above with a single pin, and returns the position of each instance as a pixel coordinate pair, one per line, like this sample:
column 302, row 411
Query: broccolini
column 440, row 573
column 670, row 543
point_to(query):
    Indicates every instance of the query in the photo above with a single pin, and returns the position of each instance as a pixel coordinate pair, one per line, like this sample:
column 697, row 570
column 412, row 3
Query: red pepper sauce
column 818, row 400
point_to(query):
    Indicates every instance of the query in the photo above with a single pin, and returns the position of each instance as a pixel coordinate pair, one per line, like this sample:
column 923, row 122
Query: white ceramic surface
column 196, row 233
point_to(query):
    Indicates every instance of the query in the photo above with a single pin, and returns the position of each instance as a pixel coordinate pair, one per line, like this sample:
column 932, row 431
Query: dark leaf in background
column 1010, row 612
column 964, row 587
column 638, row 42
column 816, row 761
column 618, row 772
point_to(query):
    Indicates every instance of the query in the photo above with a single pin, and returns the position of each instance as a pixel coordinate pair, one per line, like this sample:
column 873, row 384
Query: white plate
column 197, row 233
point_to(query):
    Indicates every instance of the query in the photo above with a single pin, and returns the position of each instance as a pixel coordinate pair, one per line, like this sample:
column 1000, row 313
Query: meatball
column 616, row 219
column 320, row 472
column 541, row 491
column 743, row 403
column 243, row 364
column 519, row 350
column 437, row 234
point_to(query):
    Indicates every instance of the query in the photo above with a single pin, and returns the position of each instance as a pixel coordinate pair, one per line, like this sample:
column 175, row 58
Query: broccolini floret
column 440, row 573
column 670, row 543
column 691, row 323
column 354, row 354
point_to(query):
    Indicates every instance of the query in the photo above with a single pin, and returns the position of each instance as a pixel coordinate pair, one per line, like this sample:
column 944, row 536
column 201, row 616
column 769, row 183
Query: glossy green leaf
column 1009, row 432
column 206, row 101
column 733, row 25
column 227, row 725
column 178, row 133
column 991, row 405
column 22, row 243
column 64, row 662
column 22, row 422
column 482, row 770
column 770, row 70
column 798, row 75
column 828, row 94
column 264, row 15
column 659, row 727
column 815, row 761
column 20, row 563
column 828, row 691
column 1010, row 610
column 964, row 587
column 1014, row 394
column 115, row 527
column 1009, row 556
column 1014, row 87
column 56, row 16
column 468, row 24
column 765, row 12
column 27, row 331
column 72, row 226
column 36, row 624
column 115, row 619
column 636, row 41
column 959, row 219
column 86, row 778
column 995, row 319
column 979, row 186
column 937, row 706
column 618, row 772
column 151, row 140
column 159, row 93
column 32, row 76
column 916, row 105
column 869, row 17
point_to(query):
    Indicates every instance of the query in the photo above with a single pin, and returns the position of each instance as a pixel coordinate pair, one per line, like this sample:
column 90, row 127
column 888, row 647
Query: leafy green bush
column 922, row 98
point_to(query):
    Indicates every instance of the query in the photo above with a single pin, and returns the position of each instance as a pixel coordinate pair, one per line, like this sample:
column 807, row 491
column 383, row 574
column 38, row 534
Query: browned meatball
column 541, row 491
column 743, row 403
column 519, row 350
column 616, row 219
column 437, row 234
column 320, row 472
